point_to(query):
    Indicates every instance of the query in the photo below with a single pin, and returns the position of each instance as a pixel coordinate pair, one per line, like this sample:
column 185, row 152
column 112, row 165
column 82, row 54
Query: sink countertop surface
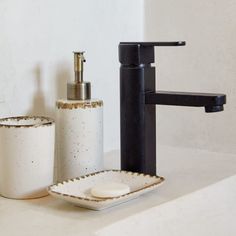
column 185, row 171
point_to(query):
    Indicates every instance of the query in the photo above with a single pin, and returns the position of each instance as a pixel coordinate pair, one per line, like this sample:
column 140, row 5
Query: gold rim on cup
column 44, row 121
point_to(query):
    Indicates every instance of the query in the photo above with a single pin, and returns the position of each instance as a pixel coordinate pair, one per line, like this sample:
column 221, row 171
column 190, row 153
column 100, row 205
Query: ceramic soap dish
column 77, row 191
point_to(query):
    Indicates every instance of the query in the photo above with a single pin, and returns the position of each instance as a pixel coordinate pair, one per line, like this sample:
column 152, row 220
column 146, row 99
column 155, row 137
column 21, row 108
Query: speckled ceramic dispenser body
column 26, row 156
column 79, row 137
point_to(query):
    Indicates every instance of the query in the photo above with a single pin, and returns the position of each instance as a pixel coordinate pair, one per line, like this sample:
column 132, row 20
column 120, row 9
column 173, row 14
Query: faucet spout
column 212, row 102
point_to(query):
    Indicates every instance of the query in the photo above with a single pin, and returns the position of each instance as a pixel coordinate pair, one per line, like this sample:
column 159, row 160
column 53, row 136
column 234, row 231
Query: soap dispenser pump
column 79, row 128
column 79, row 89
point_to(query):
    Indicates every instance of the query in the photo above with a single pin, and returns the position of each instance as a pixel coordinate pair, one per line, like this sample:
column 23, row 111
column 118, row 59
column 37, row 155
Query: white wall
column 206, row 64
column 38, row 37
column 36, row 44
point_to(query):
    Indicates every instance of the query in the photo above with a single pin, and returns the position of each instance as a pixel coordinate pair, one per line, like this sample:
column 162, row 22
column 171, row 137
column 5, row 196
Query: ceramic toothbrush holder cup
column 26, row 156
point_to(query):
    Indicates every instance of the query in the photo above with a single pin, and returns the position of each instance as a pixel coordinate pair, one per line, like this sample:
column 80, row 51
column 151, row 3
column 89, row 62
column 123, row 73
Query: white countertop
column 185, row 171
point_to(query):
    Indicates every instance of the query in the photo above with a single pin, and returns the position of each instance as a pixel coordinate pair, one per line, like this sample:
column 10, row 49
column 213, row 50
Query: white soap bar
column 110, row 189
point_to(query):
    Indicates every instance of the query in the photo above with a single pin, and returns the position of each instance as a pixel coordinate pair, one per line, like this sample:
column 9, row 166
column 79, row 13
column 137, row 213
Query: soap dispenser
column 79, row 128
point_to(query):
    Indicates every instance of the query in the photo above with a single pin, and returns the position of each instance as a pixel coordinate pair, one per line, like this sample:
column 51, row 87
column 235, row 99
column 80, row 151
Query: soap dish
column 77, row 190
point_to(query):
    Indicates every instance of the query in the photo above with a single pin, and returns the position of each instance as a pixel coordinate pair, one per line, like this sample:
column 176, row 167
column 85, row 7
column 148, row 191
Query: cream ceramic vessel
column 79, row 137
column 26, row 156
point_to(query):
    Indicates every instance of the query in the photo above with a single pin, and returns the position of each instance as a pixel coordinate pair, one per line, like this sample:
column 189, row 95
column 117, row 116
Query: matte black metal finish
column 206, row 100
column 137, row 104
column 133, row 53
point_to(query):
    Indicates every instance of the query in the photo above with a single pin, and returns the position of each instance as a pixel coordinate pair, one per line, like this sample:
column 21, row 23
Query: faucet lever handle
column 157, row 44
column 136, row 53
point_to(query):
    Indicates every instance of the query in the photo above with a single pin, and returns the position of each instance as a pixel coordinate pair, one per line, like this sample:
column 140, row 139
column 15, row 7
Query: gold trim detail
column 45, row 121
column 79, row 104
column 159, row 181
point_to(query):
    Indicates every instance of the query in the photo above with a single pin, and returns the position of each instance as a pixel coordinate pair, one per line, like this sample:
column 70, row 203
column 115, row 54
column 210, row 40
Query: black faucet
column 137, row 104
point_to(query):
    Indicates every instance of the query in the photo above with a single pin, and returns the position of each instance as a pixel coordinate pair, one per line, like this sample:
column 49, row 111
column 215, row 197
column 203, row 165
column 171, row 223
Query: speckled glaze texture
column 77, row 191
column 79, row 138
column 26, row 156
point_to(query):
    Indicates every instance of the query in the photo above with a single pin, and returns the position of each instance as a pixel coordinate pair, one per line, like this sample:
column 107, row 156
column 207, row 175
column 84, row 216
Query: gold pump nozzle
column 79, row 90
